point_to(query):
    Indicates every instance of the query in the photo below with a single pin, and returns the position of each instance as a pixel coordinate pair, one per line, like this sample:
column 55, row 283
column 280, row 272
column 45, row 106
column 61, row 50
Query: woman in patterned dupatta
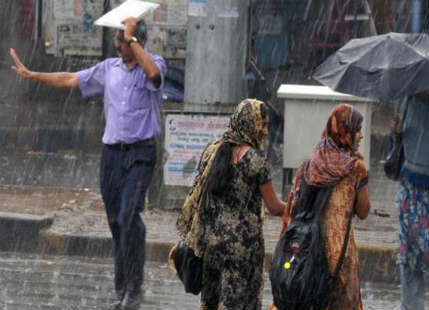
column 413, row 201
column 222, row 216
column 336, row 160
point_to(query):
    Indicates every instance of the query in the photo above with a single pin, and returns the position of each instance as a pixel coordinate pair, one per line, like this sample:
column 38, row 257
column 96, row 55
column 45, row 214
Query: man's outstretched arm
column 55, row 79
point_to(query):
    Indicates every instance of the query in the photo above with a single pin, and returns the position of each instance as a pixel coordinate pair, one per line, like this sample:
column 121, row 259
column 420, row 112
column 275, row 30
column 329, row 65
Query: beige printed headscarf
column 245, row 127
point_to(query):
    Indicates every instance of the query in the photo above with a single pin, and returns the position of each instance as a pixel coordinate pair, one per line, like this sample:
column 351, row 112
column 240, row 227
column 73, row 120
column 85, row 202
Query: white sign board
column 186, row 136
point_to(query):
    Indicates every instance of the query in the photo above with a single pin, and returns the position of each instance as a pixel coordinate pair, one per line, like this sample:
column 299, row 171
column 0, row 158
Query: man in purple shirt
column 132, row 89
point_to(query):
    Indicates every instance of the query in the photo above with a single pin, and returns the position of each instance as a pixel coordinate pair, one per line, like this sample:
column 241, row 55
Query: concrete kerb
column 93, row 246
column 378, row 264
column 21, row 232
column 29, row 233
column 73, row 244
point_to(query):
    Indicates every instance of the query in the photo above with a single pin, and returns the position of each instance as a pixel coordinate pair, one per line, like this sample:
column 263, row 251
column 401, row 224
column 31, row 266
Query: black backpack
column 299, row 273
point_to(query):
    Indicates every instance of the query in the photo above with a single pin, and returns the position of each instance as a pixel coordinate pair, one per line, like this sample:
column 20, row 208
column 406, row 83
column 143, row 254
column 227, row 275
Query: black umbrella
column 384, row 67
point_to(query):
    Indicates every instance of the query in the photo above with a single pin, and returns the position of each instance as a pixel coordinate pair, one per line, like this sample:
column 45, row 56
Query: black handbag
column 189, row 268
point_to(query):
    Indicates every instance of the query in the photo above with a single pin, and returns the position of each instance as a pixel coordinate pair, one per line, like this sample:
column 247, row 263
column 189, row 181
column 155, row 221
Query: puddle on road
column 89, row 281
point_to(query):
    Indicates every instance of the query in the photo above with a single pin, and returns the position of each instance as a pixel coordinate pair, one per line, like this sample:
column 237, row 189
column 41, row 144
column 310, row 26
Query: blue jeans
column 125, row 175
column 412, row 288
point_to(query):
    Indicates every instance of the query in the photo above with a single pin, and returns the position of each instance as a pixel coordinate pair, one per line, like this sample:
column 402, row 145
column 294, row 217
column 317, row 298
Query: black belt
column 127, row 146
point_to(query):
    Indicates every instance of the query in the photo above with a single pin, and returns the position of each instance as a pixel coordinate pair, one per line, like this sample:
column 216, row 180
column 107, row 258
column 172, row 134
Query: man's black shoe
column 132, row 300
column 116, row 305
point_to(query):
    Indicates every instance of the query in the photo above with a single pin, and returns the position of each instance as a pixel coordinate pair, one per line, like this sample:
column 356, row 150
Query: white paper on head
column 130, row 8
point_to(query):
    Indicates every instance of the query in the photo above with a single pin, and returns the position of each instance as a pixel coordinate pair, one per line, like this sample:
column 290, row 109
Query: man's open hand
column 19, row 67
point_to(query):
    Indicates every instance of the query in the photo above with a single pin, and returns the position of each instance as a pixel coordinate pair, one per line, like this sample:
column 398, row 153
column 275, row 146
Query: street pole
column 417, row 16
column 217, row 44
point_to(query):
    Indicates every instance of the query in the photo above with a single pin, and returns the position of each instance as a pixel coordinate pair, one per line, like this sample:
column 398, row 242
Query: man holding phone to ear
column 131, row 85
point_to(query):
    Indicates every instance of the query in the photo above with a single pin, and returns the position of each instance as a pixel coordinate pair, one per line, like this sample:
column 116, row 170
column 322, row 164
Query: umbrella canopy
column 384, row 67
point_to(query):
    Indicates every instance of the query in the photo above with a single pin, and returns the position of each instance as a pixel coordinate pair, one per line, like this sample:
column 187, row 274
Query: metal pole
column 416, row 22
column 216, row 51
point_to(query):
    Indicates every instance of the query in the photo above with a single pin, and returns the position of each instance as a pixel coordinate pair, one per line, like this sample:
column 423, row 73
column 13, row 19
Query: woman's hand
column 172, row 252
column 363, row 204
column 396, row 125
column 170, row 260
column 396, row 129
column 274, row 205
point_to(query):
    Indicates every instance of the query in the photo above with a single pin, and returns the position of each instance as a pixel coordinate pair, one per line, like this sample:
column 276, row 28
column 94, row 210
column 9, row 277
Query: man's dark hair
column 141, row 32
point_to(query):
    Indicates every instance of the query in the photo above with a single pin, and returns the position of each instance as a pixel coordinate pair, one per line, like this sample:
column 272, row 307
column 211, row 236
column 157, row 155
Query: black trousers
column 125, row 174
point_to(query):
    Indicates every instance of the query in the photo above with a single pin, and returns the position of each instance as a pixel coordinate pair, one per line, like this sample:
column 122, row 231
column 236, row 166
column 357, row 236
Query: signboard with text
column 186, row 136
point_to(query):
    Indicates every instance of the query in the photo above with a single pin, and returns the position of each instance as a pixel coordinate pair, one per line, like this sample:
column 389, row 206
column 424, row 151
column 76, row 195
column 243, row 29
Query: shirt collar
column 119, row 63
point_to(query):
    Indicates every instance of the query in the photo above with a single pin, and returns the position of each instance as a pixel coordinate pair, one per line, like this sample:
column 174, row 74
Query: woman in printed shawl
column 413, row 200
column 336, row 160
column 222, row 216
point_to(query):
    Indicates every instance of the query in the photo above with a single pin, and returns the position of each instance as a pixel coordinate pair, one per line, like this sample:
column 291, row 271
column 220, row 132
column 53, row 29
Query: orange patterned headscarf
column 343, row 123
column 333, row 157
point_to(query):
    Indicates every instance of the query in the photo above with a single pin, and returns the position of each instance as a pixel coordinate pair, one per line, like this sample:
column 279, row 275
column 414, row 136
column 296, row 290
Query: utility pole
column 217, row 47
column 417, row 16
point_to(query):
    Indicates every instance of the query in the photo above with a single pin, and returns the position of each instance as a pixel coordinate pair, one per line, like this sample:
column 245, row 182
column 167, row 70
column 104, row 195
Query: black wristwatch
column 132, row 40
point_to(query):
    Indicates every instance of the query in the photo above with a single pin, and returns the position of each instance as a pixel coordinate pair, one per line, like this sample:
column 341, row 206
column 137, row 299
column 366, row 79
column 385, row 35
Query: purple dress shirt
column 131, row 101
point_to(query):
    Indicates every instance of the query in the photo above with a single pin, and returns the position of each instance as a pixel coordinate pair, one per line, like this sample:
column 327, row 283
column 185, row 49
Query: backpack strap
column 344, row 248
column 358, row 186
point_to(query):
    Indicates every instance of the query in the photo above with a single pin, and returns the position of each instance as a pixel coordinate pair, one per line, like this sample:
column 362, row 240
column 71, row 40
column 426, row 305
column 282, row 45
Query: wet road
column 54, row 282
